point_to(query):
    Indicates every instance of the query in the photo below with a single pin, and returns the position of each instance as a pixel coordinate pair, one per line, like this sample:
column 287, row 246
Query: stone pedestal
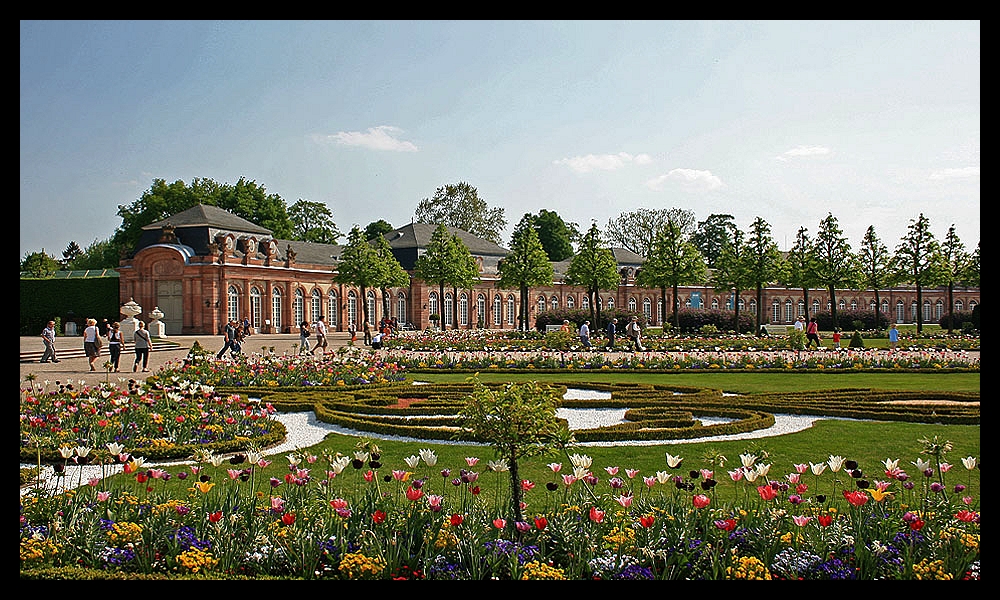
column 156, row 327
column 129, row 324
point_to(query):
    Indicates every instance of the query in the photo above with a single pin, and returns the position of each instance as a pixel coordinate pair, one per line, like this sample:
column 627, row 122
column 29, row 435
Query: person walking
column 142, row 345
column 352, row 329
column 228, row 339
column 800, row 323
column 585, row 335
column 612, row 326
column 368, row 332
column 92, row 342
column 321, row 342
column 116, row 343
column 893, row 337
column 565, row 326
column 836, row 338
column 812, row 333
column 304, row 337
column 634, row 330
column 49, row 339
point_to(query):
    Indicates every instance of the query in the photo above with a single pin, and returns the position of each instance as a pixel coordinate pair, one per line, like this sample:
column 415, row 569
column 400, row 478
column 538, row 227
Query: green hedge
column 46, row 299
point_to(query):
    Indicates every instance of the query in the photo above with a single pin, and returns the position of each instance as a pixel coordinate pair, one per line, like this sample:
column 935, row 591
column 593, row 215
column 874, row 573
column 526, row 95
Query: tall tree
column 917, row 261
column 712, row 234
column 594, row 268
column 800, row 268
column 972, row 275
column 732, row 271
column 98, row 255
column 459, row 205
column 465, row 271
column 376, row 228
column 39, row 264
column 876, row 268
column 70, row 254
column 360, row 265
column 836, row 265
column 313, row 222
column 955, row 263
column 435, row 265
column 392, row 273
column 555, row 235
column 526, row 265
column 765, row 264
column 673, row 261
column 637, row 230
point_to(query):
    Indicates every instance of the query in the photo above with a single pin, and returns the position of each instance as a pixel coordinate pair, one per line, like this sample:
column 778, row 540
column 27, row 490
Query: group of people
column 93, row 342
column 233, row 336
column 633, row 333
column 306, row 330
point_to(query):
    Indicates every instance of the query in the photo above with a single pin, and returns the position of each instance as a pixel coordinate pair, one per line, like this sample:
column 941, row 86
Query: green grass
column 869, row 443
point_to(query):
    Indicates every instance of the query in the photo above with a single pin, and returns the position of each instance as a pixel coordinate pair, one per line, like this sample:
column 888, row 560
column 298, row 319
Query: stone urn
column 129, row 324
column 156, row 327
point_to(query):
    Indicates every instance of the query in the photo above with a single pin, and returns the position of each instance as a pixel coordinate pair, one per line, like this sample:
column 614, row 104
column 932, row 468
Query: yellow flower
column 204, row 486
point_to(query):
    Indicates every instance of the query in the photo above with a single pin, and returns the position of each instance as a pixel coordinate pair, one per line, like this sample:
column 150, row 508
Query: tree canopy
column 673, row 261
column 313, row 222
column 712, row 234
column 525, row 265
column 459, row 205
column 555, row 235
column 593, row 267
column 637, row 230
column 836, row 266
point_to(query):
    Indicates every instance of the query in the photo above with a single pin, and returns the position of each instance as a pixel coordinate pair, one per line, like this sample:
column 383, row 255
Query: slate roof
column 418, row 235
column 206, row 215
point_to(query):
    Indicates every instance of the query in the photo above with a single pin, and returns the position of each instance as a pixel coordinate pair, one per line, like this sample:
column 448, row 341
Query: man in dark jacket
column 612, row 326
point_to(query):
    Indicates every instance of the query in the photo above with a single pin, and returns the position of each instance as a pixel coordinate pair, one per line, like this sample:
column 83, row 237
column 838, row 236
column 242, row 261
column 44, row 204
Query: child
column 836, row 338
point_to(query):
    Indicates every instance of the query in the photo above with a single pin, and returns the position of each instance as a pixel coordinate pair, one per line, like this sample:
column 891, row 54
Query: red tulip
column 541, row 523
column 596, row 515
column 825, row 520
column 288, row 518
column 414, row 494
column 379, row 516
column 215, row 517
column 856, row 497
column 767, row 492
column 456, row 520
column 647, row 521
column 700, row 500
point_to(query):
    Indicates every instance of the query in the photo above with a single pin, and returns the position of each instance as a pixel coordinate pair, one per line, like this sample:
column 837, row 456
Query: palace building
column 205, row 265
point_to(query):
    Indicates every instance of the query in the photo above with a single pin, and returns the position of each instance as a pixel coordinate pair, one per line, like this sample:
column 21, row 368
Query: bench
column 549, row 328
column 776, row 329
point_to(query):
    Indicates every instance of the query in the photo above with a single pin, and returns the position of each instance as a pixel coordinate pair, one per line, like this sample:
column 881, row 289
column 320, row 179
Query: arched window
column 715, row 304
column 449, row 303
column 255, row 307
column 788, row 311
column 743, row 304
column 570, row 302
column 687, row 302
column 753, row 306
column 463, row 310
column 481, row 310
column 660, row 317
column 317, row 305
column 913, row 311
column 972, row 305
column 958, row 305
column 871, row 305
column 511, row 309
column 352, row 308
column 815, row 307
column 298, row 306
column 775, row 311
column 276, row 309
column 927, row 310
column 900, row 312
column 647, row 309
column 854, row 305
column 841, row 305
column 938, row 310
column 802, row 310
column 432, row 303
column 554, row 303
column 541, row 304
column 401, row 308
column 632, row 305
column 611, row 303
column 372, row 315
column 885, row 307
column 233, row 302
column 585, row 302
column 332, row 310
column 497, row 311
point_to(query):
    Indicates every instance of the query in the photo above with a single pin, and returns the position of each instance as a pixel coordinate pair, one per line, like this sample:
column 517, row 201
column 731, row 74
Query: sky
column 874, row 122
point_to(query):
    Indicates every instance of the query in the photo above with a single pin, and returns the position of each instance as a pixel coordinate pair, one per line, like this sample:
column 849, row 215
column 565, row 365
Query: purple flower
column 937, row 487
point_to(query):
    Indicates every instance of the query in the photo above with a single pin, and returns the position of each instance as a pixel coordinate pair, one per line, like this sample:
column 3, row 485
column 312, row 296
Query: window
column 585, row 302
column 753, row 306
column 276, row 309
column 660, row 317
column 611, row 303
column 317, row 305
column 497, row 312
column 511, row 309
column 255, row 307
column 332, row 309
column 815, row 307
column 871, row 306
column 788, row 311
column 632, row 305
column 854, row 305
column 432, row 303
column 463, row 310
column 776, row 311
column 927, row 310
column 841, row 305
column 401, row 308
column 958, row 306
column 802, row 310
column 352, row 308
column 481, row 310
column 570, row 302
column 715, row 304
column 938, row 310
column 743, row 304
column 885, row 307
column 371, row 306
column 900, row 312
column 554, row 303
column 298, row 308
column 647, row 309
column 913, row 311
column 687, row 302
column 233, row 302
column 541, row 304
column 449, row 304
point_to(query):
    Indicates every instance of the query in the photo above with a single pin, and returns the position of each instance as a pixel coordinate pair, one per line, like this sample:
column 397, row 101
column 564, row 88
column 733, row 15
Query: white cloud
column 690, row 179
column 382, row 137
column 962, row 173
column 804, row 151
column 602, row 162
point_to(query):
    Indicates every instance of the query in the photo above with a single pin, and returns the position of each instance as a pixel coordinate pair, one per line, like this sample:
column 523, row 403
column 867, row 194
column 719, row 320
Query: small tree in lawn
column 518, row 421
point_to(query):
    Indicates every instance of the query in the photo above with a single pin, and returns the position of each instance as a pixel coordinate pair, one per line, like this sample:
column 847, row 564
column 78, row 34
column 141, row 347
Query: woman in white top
column 91, row 339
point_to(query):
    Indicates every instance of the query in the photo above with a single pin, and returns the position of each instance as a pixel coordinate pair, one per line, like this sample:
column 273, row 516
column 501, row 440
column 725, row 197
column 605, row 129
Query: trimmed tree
column 673, row 262
column 525, row 266
column 593, row 268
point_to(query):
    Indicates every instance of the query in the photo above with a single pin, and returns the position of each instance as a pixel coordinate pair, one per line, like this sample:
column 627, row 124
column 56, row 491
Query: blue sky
column 875, row 122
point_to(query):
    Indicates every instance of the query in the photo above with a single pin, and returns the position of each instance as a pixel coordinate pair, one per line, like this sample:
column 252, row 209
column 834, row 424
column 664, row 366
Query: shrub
column 691, row 320
column 858, row 319
column 856, row 341
column 958, row 319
